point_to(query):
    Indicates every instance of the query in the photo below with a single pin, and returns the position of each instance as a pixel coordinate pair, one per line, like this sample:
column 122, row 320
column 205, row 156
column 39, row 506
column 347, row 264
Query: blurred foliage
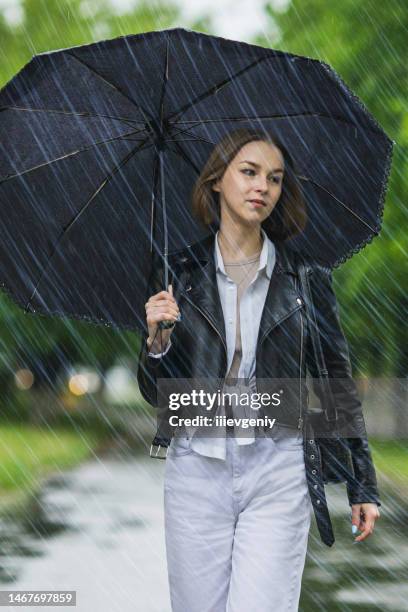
column 366, row 44
column 28, row 453
column 391, row 459
column 57, row 24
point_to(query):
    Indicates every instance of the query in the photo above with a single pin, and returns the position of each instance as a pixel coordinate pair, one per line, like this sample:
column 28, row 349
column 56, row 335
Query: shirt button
column 311, row 441
column 315, row 486
column 313, row 471
column 312, row 456
column 318, row 501
column 299, row 301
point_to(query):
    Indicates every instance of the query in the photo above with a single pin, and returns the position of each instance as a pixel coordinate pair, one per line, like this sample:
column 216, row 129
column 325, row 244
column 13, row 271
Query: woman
column 238, row 506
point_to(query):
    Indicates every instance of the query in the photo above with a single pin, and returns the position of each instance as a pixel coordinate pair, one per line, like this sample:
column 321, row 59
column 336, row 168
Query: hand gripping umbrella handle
column 177, row 290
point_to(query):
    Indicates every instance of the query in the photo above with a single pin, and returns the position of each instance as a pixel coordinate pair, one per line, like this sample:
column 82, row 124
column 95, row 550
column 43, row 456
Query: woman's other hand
column 363, row 517
column 160, row 307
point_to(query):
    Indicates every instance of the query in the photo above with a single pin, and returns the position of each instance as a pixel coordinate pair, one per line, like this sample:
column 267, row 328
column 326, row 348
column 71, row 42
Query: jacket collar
column 202, row 288
column 202, row 251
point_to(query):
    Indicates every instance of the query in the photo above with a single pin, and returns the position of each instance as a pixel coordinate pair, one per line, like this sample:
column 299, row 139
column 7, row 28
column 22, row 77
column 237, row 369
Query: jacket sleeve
column 150, row 367
column 362, row 486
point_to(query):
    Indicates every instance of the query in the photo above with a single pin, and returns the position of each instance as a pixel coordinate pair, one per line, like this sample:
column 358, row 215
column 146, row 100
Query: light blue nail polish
column 354, row 529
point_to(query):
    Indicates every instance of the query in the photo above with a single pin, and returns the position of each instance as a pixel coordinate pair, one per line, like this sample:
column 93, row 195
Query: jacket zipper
column 300, row 422
column 268, row 331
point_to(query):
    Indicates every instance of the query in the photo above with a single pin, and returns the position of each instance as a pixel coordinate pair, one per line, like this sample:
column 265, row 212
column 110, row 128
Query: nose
column 262, row 184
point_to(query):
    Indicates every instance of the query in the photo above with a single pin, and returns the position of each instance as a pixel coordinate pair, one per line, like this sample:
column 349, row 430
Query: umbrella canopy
column 101, row 144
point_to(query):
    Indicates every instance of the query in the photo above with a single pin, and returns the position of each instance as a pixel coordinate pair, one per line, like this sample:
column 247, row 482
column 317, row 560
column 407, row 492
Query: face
column 255, row 173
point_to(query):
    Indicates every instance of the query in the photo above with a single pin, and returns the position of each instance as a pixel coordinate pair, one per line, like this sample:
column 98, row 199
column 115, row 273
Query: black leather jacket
column 284, row 351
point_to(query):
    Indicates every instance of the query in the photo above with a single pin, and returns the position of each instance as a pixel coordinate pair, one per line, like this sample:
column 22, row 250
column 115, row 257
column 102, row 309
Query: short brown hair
column 287, row 219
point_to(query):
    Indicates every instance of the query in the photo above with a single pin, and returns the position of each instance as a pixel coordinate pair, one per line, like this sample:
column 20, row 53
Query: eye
column 275, row 179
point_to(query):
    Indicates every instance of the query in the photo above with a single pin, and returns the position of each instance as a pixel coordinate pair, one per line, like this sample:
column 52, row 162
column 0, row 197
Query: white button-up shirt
column 251, row 307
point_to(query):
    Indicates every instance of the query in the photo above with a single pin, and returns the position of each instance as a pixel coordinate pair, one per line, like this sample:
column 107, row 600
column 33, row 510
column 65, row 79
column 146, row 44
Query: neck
column 240, row 243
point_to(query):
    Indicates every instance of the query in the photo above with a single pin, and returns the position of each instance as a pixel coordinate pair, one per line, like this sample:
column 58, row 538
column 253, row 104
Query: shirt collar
column 266, row 260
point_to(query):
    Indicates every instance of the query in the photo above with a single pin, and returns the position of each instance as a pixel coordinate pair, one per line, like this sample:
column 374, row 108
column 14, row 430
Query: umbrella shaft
column 163, row 199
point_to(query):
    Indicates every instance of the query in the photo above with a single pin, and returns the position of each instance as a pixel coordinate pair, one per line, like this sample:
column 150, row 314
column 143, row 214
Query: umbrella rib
column 188, row 140
column 73, row 113
column 215, row 88
column 186, row 131
column 262, row 117
column 306, row 178
column 180, row 131
column 69, row 226
column 118, row 89
column 131, row 139
column 199, row 138
column 70, row 154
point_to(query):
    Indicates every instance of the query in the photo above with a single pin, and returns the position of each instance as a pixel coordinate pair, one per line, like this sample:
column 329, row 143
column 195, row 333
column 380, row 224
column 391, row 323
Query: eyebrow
column 246, row 161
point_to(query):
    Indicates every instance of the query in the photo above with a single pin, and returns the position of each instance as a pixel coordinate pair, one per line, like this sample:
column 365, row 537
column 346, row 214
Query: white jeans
column 236, row 530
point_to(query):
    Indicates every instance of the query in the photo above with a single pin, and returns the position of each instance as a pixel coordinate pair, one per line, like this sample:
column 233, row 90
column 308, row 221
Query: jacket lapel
column 203, row 290
column 282, row 297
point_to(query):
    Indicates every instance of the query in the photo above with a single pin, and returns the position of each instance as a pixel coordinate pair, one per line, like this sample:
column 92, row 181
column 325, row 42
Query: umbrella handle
column 166, row 324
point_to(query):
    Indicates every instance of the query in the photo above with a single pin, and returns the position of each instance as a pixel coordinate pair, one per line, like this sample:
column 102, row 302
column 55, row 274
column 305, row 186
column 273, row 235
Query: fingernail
column 354, row 529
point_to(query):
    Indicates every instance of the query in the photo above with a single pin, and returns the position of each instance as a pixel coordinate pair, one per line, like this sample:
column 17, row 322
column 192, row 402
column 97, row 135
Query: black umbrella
column 100, row 146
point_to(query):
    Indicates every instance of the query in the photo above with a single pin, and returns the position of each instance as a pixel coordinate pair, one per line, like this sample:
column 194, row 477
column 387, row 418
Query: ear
column 215, row 186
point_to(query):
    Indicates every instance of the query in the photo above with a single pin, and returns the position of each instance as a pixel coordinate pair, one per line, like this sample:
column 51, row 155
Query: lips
column 258, row 202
